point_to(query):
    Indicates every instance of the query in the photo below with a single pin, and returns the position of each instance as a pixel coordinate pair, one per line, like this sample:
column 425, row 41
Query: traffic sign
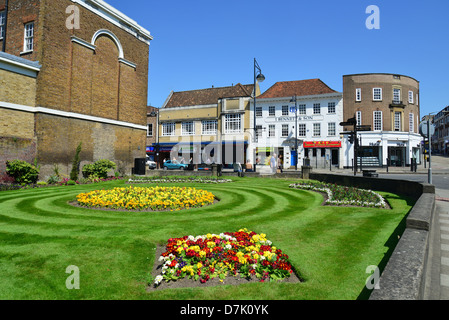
column 423, row 129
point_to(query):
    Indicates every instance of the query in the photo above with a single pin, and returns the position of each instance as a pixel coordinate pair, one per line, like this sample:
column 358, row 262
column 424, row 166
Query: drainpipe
column 4, row 28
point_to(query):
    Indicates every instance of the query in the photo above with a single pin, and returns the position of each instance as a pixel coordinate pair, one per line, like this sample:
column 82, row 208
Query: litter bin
column 139, row 166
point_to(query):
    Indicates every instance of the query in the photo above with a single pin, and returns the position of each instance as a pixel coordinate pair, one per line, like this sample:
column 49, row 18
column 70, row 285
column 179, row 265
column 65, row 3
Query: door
column 335, row 157
column 294, row 158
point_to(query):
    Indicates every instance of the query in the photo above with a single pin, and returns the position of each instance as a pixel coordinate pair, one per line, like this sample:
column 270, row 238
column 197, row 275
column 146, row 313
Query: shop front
column 322, row 154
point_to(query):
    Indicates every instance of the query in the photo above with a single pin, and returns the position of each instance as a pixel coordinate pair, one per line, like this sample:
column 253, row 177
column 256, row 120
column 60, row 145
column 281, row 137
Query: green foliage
column 22, row 171
column 76, row 163
column 99, row 169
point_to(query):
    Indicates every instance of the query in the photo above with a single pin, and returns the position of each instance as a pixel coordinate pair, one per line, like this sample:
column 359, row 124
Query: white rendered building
column 315, row 124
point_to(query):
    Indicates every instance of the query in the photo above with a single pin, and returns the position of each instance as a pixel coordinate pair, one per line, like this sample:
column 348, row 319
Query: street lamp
column 258, row 77
column 295, row 100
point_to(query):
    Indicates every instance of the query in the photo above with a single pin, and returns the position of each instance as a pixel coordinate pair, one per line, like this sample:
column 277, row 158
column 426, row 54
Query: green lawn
column 41, row 235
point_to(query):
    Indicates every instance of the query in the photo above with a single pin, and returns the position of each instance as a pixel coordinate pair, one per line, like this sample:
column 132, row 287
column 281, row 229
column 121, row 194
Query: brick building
column 79, row 73
column 206, row 125
column 152, row 132
column 389, row 104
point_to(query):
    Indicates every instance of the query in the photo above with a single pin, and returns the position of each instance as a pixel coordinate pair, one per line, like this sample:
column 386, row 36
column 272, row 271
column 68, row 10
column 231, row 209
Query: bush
column 76, row 164
column 99, row 168
column 22, row 172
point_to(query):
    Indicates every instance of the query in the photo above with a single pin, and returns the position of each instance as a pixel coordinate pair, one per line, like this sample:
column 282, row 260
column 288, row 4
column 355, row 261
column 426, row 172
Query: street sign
column 350, row 122
column 364, row 128
column 423, row 129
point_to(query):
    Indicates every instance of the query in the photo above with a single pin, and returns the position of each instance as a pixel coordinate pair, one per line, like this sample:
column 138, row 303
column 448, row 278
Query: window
column 411, row 122
column 396, row 95
column 331, row 108
column 168, row 129
column 331, row 129
column 377, row 94
column 378, row 121
column 271, row 130
column 417, row 101
column 258, row 131
column 28, row 44
column 188, row 128
column 2, row 23
column 285, row 130
column 233, row 123
column 259, row 112
column 209, row 127
column 316, row 108
column 302, row 109
column 150, row 130
column 397, row 121
column 410, row 97
column 358, row 94
column 358, row 117
column 302, row 130
column 271, row 111
column 317, row 129
column 285, row 110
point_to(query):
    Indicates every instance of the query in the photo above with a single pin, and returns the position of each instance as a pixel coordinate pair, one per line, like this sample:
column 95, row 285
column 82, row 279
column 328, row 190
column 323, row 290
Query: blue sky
column 200, row 43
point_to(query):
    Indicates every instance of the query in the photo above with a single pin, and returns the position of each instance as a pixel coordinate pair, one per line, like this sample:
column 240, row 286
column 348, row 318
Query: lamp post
column 258, row 77
column 295, row 100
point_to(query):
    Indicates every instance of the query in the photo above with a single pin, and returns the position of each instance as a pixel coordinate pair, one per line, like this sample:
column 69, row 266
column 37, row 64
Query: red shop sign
column 322, row 144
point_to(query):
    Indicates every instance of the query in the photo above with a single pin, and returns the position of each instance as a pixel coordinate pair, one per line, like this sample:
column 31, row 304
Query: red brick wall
column 19, row 13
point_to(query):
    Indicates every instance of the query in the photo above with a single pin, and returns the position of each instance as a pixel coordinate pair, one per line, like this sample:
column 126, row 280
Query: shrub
column 22, row 172
column 99, row 168
column 76, row 163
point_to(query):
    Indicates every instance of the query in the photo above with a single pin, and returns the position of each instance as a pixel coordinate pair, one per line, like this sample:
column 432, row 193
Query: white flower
column 161, row 258
column 158, row 279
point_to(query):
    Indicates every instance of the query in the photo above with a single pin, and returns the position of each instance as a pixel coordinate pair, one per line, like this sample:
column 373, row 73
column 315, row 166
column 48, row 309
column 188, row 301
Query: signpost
column 353, row 138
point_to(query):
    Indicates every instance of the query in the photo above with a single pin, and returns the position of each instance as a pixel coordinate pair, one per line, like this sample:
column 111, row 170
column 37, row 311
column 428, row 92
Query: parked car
column 151, row 164
column 175, row 165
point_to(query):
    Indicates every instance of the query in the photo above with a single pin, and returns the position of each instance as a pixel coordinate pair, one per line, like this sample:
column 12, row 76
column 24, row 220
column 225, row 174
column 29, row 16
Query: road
column 441, row 181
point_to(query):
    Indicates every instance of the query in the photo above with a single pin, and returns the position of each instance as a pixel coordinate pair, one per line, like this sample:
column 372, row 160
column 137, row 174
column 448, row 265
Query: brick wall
column 17, row 89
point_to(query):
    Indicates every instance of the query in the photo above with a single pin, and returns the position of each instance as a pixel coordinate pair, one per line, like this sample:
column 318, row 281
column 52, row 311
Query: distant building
column 440, row 142
column 60, row 86
column 152, row 131
column 389, row 104
column 206, row 125
column 320, row 111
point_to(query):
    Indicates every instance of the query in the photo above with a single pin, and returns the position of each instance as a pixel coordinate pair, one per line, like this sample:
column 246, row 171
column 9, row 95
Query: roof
column 208, row 96
column 298, row 88
column 18, row 60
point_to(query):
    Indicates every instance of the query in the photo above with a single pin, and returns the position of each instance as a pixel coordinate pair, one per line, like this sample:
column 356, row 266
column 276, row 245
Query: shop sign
column 322, row 144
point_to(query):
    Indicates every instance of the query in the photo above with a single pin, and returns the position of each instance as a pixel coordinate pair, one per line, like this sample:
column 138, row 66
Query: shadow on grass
column 391, row 244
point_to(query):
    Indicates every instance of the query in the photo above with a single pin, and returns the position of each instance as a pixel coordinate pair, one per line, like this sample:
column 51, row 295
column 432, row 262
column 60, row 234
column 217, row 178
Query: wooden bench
column 370, row 173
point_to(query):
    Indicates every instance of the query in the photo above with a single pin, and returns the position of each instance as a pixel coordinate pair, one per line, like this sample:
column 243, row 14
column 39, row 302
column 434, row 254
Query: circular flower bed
column 154, row 198
column 243, row 253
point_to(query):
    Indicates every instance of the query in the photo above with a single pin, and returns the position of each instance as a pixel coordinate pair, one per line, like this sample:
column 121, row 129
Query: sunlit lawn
column 331, row 247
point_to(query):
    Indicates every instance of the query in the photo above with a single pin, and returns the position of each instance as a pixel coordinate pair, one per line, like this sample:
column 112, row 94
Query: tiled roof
column 208, row 96
column 299, row 88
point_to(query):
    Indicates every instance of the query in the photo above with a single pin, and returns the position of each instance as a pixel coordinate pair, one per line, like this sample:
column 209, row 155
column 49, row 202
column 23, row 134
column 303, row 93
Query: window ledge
column 26, row 52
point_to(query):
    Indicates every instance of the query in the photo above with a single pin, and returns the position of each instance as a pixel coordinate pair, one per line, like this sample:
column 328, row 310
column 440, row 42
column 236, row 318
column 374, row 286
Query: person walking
column 279, row 164
column 273, row 163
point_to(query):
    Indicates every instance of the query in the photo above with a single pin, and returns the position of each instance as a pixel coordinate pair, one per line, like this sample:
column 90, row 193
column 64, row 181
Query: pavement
column 437, row 273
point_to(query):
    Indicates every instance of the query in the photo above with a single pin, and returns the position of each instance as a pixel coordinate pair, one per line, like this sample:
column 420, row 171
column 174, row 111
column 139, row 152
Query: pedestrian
column 279, row 164
column 249, row 166
column 273, row 163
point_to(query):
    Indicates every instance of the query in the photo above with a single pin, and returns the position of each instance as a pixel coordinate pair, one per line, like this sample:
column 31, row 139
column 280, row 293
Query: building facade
column 206, row 126
column 90, row 86
column 440, row 142
column 152, row 131
column 389, row 105
column 312, row 123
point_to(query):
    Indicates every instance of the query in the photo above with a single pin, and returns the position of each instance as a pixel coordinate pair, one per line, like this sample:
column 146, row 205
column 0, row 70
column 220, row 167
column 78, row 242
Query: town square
column 166, row 152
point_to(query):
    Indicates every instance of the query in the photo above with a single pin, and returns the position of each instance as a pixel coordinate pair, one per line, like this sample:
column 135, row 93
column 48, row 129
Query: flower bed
column 177, row 179
column 340, row 195
column 155, row 198
column 243, row 253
